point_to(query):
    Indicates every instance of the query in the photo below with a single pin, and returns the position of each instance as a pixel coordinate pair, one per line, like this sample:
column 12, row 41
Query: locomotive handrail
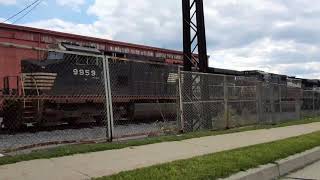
column 38, row 93
column 23, row 90
column 22, row 85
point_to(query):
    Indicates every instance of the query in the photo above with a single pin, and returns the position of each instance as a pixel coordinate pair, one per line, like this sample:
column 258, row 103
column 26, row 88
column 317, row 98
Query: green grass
column 224, row 164
column 85, row 148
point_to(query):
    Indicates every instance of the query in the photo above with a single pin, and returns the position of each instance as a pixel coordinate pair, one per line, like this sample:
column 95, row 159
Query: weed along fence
column 210, row 101
column 51, row 96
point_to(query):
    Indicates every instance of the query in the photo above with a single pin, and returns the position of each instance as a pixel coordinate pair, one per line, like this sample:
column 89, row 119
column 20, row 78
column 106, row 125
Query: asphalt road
column 311, row 172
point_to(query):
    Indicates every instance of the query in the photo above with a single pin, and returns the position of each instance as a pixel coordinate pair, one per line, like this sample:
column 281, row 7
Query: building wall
column 10, row 57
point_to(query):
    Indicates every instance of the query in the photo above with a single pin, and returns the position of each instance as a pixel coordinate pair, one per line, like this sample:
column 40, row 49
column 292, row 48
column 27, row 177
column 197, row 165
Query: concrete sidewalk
column 311, row 172
column 85, row 166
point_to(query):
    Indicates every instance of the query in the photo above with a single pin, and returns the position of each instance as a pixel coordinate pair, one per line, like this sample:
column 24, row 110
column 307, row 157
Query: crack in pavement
column 299, row 178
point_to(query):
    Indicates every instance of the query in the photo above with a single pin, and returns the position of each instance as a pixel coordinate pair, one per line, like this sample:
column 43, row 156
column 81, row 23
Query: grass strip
column 224, row 164
column 86, row 148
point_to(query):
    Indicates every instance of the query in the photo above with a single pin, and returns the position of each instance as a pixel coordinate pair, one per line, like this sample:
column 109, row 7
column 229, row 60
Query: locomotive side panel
column 73, row 84
column 142, row 90
column 70, row 75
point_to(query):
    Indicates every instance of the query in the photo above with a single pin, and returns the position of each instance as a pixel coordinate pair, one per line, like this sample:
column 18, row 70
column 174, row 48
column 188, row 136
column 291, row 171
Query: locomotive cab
column 63, row 88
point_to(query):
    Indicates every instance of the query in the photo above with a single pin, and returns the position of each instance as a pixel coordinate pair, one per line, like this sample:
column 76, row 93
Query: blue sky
column 279, row 36
column 46, row 10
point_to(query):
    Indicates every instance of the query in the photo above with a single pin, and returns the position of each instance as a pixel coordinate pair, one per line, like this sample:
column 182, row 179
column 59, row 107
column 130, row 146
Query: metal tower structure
column 194, row 42
column 194, row 36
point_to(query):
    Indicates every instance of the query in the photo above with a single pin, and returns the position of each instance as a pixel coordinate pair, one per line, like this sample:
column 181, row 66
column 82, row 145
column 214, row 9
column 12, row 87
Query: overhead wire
column 27, row 7
column 27, row 12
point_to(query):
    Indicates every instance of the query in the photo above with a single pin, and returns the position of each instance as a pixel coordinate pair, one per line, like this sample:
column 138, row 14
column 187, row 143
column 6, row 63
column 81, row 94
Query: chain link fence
column 144, row 98
column 279, row 103
column 310, row 103
column 211, row 101
column 51, row 97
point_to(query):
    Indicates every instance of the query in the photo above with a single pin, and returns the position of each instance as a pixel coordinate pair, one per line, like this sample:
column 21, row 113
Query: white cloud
column 140, row 21
column 69, row 27
column 8, row 2
column 270, row 35
column 73, row 4
column 271, row 56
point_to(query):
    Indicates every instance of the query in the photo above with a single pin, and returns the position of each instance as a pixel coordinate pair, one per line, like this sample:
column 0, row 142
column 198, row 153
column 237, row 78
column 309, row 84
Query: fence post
column 180, row 110
column 225, row 97
column 298, row 102
column 272, row 101
column 313, row 103
column 280, row 99
column 106, row 74
column 259, row 101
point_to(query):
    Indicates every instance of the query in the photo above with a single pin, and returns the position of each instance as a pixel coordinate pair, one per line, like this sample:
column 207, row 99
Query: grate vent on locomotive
column 39, row 81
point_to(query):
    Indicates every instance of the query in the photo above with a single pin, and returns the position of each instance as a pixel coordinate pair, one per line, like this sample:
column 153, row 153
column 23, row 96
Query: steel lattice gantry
column 194, row 35
column 194, row 41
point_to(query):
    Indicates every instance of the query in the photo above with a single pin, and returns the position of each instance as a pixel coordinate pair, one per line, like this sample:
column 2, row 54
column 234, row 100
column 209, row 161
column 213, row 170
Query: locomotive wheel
column 12, row 115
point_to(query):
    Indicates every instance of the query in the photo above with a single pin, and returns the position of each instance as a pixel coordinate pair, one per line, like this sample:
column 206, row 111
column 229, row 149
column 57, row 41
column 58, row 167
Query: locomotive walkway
column 86, row 166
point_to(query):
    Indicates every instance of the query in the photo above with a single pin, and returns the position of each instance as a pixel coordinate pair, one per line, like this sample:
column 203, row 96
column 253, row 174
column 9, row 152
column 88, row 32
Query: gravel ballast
column 15, row 141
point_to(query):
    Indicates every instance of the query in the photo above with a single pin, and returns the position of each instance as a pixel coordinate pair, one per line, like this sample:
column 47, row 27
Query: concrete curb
column 279, row 168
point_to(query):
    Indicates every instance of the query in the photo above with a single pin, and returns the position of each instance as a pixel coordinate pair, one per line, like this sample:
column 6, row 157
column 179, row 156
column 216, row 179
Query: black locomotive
column 70, row 88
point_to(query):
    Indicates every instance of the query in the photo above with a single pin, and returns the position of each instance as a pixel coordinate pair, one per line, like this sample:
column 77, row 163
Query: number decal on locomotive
column 84, row 72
